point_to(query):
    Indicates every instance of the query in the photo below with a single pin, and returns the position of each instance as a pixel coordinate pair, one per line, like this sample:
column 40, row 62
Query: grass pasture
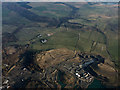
column 103, row 17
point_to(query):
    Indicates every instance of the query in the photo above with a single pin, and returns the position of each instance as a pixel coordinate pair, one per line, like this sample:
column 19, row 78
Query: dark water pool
column 96, row 84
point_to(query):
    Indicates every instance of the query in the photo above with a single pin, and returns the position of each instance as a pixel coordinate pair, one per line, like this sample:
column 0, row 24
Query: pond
column 96, row 84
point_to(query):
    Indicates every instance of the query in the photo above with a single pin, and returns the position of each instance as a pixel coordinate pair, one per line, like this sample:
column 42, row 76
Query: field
column 99, row 16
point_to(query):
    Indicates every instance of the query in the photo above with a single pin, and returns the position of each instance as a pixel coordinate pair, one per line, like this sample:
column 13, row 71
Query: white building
column 77, row 75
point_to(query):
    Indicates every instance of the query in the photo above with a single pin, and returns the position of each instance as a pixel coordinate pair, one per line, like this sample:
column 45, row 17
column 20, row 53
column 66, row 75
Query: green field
column 85, row 39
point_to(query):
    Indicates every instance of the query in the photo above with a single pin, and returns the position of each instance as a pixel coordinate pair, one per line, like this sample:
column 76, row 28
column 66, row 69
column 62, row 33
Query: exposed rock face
column 53, row 57
column 109, row 72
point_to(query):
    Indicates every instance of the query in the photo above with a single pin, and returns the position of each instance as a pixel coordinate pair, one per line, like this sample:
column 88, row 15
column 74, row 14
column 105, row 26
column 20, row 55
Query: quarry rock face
column 53, row 57
column 53, row 62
